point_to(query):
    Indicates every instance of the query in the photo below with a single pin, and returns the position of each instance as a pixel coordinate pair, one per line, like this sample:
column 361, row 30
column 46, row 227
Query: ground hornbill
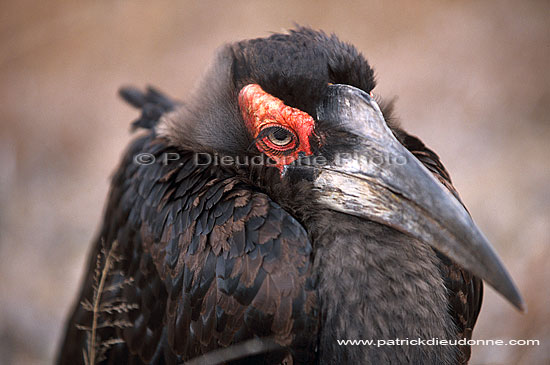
column 278, row 211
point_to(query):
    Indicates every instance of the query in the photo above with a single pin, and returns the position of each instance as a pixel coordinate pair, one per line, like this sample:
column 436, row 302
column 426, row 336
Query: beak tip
column 522, row 306
column 513, row 295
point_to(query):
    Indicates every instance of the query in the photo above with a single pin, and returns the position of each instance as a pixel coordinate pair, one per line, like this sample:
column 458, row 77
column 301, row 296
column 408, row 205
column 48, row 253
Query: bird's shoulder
column 214, row 260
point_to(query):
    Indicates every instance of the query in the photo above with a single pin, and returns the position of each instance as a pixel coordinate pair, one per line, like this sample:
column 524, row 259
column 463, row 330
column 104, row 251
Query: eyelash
column 267, row 145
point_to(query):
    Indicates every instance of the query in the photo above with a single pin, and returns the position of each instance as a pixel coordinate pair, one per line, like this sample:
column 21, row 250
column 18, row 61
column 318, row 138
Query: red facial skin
column 261, row 110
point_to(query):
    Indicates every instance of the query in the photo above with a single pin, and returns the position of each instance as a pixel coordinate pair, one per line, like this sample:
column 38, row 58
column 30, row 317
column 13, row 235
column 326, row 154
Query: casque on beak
column 382, row 181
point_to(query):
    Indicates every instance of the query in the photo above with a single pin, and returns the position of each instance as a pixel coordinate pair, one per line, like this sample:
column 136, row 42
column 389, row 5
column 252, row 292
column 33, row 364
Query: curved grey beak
column 382, row 181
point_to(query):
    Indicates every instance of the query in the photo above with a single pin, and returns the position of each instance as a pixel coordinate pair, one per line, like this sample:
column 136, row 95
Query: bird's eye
column 280, row 137
column 277, row 139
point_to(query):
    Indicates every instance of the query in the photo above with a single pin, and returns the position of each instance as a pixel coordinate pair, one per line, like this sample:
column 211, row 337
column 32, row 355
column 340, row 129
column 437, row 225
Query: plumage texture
column 220, row 254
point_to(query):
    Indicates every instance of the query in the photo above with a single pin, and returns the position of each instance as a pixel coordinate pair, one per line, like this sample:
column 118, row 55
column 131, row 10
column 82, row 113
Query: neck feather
column 375, row 283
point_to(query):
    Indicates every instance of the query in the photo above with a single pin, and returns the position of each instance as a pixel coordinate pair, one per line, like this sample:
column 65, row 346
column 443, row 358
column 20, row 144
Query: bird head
column 304, row 101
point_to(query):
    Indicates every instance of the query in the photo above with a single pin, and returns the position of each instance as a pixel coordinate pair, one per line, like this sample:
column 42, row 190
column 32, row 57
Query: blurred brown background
column 472, row 80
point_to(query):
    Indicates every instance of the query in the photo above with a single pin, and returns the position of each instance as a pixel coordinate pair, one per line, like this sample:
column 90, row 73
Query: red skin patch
column 261, row 110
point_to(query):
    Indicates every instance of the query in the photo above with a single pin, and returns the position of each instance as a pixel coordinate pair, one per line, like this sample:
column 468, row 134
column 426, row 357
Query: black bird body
column 222, row 254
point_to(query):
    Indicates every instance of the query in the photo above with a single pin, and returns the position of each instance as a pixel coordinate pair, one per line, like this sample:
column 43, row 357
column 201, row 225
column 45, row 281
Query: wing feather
column 214, row 262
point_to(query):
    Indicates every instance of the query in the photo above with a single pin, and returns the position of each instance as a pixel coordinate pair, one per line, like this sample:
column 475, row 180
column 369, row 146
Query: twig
column 254, row 346
column 105, row 311
column 97, row 301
